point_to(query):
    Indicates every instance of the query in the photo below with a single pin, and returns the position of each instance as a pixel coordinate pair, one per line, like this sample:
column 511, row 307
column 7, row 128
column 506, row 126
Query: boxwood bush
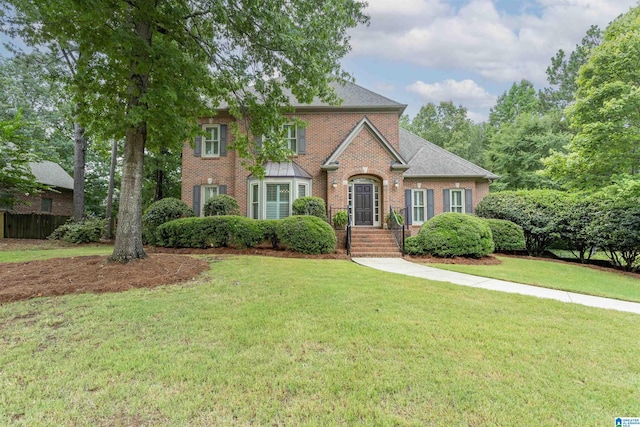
column 85, row 231
column 306, row 234
column 221, row 205
column 453, row 234
column 162, row 211
column 310, row 206
column 269, row 228
column 507, row 236
column 212, row 231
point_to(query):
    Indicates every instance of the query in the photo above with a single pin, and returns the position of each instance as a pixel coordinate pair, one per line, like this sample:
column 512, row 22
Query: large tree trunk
column 128, row 244
column 79, row 151
column 112, row 179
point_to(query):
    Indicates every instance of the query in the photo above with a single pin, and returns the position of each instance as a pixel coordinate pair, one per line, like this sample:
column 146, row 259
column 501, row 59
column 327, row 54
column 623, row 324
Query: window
column 211, row 141
column 418, row 203
column 255, row 201
column 302, row 190
column 46, row 205
column 277, row 203
column 457, row 201
column 208, row 191
column 291, row 137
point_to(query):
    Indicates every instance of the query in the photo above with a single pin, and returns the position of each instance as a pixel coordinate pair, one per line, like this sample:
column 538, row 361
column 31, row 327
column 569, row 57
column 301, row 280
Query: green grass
column 265, row 341
column 39, row 252
column 556, row 275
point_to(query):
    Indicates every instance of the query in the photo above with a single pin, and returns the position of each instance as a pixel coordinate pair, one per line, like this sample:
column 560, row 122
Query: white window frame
column 291, row 136
column 208, row 139
column 414, row 206
column 254, row 202
column 262, row 193
column 203, row 195
column 452, row 207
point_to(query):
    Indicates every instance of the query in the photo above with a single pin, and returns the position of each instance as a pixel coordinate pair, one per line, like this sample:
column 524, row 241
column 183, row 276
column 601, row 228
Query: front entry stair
column 368, row 242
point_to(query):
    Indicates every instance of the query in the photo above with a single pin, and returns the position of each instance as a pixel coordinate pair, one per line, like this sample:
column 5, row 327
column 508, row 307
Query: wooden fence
column 30, row 226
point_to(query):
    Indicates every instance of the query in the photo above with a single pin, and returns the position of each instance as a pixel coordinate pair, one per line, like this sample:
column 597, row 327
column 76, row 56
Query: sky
column 467, row 51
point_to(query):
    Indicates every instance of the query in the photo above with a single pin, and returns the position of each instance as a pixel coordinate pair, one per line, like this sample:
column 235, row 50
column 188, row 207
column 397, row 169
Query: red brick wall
column 62, row 203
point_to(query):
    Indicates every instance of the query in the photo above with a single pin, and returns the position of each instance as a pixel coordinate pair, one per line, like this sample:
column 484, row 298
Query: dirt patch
column 60, row 276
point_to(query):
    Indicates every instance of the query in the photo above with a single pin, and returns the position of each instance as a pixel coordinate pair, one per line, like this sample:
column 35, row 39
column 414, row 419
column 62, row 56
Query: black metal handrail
column 397, row 226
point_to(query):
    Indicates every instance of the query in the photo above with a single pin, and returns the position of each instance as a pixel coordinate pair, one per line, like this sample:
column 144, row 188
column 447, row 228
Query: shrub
column 574, row 225
column 86, row 231
column 412, row 246
column 306, row 234
column 455, row 234
column 507, row 236
column 314, row 206
column 269, row 232
column 340, row 219
column 399, row 219
column 536, row 211
column 162, row 211
column 210, row 231
column 221, row 205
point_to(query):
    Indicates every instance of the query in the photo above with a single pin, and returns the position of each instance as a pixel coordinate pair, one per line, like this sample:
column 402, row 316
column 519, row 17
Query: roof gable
column 429, row 160
column 50, row 173
column 365, row 123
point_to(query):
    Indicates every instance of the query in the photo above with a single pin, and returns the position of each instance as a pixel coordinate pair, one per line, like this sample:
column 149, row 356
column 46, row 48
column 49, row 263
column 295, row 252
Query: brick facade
column 364, row 157
column 61, row 203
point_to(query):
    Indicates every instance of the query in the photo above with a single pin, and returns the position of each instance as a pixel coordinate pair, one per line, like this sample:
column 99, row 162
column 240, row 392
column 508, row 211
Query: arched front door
column 364, row 198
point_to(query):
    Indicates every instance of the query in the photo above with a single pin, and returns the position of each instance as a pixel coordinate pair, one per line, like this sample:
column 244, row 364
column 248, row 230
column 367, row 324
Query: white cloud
column 477, row 37
column 466, row 92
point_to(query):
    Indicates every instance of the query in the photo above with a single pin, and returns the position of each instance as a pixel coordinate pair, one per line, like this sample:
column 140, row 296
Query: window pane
column 284, row 201
column 302, row 190
column 255, row 206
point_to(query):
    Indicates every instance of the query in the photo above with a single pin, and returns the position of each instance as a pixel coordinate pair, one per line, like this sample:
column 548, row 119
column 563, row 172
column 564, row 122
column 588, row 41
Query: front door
column 363, row 200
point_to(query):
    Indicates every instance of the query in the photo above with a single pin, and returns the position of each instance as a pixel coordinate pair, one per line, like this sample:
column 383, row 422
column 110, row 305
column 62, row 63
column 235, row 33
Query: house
column 354, row 155
column 57, row 201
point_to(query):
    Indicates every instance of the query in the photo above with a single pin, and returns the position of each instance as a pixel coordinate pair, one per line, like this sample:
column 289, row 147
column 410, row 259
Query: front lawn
column 556, row 275
column 266, row 341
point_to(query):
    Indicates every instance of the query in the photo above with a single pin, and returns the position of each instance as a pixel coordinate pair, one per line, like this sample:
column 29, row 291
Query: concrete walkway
column 401, row 266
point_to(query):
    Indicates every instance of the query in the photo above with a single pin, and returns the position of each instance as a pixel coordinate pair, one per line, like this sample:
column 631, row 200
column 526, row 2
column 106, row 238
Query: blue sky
column 467, row 51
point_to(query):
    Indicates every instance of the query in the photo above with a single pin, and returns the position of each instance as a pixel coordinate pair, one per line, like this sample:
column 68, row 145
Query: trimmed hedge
column 452, row 234
column 306, row 234
column 221, row 205
column 85, row 231
column 212, row 231
column 314, row 206
column 162, row 211
column 269, row 231
column 507, row 236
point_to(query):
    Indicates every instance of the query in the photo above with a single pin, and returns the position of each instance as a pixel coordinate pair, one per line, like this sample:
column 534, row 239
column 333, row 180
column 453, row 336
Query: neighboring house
column 354, row 154
column 57, row 201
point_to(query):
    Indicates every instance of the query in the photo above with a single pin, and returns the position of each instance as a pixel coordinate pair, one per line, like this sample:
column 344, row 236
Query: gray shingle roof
column 285, row 170
column 352, row 95
column 428, row 160
column 51, row 174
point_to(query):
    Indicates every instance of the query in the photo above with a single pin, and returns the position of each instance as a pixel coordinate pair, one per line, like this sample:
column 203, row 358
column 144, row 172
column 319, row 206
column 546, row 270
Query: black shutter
column 222, row 189
column 302, row 140
column 468, row 201
column 429, row 204
column 258, row 144
column 408, row 204
column 198, row 148
column 196, row 199
column 223, row 140
column 445, row 200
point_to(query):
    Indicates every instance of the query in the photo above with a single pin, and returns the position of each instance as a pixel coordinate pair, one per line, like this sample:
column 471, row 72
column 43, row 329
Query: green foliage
column 605, row 115
column 306, row 234
column 536, row 211
column 340, row 219
column 574, row 224
column 397, row 219
column 221, row 204
column 520, row 98
column 454, row 234
column 310, row 206
column 507, row 236
column 412, row 246
column 162, row 211
column 86, row 231
column 211, row 231
column 269, row 229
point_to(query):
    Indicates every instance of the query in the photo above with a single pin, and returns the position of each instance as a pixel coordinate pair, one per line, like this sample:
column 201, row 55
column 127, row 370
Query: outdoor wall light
column 209, row 181
column 396, row 182
column 335, row 183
